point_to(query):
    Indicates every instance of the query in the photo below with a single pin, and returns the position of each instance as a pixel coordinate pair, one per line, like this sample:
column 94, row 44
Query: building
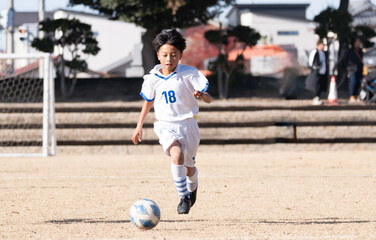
column 284, row 25
column 199, row 51
column 27, row 21
column 120, row 43
column 263, row 59
column 278, row 24
column 364, row 13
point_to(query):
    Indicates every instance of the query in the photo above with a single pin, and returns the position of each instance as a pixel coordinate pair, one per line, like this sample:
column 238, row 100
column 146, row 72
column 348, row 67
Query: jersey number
column 169, row 96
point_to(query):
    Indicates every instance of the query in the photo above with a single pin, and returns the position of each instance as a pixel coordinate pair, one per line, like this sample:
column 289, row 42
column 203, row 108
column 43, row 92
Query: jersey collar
column 158, row 67
column 163, row 77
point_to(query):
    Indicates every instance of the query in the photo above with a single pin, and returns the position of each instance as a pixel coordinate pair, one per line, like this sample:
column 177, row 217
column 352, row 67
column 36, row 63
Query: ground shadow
column 319, row 221
column 91, row 221
column 80, row 220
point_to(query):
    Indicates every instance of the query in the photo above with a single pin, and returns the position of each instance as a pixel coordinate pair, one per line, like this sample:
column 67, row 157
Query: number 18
column 169, row 96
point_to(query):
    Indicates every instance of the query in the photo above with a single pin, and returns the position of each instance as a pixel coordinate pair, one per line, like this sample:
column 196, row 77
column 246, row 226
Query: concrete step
column 115, row 134
column 203, row 117
column 222, row 122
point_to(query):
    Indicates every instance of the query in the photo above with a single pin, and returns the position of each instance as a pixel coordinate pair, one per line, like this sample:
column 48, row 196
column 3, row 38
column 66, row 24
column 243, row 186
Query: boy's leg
column 179, row 176
column 192, row 183
column 193, row 140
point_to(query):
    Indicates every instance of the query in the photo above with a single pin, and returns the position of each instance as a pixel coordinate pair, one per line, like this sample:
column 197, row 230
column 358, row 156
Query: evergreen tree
column 71, row 35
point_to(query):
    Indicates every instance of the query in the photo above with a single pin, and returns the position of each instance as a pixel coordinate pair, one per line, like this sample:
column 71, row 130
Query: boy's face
column 320, row 46
column 169, row 57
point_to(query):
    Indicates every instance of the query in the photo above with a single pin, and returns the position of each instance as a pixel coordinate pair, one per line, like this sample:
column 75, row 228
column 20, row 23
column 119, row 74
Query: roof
column 361, row 6
column 80, row 13
column 117, row 64
column 363, row 12
column 32, row 17
column 295, row 11
column 30, row 67
column 273, row 5
column 257, row 51
column 29, row 17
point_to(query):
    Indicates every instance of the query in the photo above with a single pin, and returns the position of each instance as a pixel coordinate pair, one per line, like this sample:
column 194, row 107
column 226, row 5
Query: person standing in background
column 354, row 57
column 317, row 80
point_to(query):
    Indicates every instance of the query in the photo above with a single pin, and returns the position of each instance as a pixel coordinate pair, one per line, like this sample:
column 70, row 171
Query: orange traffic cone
column 332, row 97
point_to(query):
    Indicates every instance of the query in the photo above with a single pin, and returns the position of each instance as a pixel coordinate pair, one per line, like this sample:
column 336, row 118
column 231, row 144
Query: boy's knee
column 190, row 171
column 177, row 155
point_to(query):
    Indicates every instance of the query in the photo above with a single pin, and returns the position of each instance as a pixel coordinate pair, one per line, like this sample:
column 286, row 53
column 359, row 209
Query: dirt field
column 242, row 195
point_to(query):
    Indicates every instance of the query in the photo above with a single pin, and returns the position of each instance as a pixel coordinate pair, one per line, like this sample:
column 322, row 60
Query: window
column 288, row 33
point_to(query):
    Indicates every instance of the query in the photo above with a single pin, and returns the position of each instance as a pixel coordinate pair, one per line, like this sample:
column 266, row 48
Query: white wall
column 116, row 39
column 269, row 26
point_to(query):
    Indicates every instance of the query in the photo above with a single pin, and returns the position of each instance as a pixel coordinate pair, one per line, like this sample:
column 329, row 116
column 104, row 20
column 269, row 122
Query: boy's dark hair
column 170, row 37
column 320, row 41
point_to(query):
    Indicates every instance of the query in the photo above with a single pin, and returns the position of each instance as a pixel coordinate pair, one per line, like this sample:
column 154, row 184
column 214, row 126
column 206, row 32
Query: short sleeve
column 199, row 81
column 147, row 90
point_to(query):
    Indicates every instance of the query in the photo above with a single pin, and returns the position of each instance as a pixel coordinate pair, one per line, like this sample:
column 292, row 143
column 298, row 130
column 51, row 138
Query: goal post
column 27, row 105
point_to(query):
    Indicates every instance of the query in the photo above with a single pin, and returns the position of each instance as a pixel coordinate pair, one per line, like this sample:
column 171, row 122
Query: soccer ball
column 145, row 214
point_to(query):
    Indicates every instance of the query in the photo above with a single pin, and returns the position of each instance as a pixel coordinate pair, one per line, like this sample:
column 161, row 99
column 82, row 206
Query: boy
column 173, row 88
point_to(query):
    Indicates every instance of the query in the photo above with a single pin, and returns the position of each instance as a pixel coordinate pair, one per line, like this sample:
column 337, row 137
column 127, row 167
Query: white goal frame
column 49, row 136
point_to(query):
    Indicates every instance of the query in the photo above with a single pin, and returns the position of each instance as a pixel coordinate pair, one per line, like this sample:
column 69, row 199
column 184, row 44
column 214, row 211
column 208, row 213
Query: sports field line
column 201, row 176
column 314, row 237
column 307, row 238
column 318, row 237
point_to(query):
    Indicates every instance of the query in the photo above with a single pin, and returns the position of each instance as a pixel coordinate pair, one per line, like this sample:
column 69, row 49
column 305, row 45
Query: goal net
column 27, row 122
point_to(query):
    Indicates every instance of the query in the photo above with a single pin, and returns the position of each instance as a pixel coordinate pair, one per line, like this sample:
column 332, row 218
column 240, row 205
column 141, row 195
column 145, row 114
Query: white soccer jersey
column 173, row 95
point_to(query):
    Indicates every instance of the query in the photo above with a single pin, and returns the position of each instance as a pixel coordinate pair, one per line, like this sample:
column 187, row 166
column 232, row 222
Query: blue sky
column 32, row 5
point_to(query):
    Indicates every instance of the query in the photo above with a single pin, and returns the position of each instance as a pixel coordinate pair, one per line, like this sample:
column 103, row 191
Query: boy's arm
column 205, row 96
column 137, row 135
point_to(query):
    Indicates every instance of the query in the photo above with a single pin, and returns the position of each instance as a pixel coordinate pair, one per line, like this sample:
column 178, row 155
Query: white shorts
column 185, row 131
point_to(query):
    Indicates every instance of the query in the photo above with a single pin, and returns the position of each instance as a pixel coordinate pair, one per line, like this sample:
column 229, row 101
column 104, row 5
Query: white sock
column 192, row 181
column 179, row 175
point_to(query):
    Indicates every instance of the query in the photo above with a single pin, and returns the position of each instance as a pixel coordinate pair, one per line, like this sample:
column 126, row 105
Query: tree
column 226, row 40
column 155, row 15
column 71, row 35
column 333, row 20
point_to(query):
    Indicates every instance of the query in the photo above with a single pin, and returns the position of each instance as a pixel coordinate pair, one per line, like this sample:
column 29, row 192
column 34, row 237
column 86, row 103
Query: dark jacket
column 352, row 61
column 355, row 61
column 315, row 79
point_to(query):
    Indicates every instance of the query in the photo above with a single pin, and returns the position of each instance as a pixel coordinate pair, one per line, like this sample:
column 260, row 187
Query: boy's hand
column 137, row 135
column 205, row 96
column 197, row 94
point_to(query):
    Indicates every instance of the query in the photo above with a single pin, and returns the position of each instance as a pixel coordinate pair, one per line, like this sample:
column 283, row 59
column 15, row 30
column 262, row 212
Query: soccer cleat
column 184, row 205
column 193, row 196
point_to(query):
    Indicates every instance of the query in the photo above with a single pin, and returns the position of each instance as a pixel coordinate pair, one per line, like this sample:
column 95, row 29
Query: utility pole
column 41, row 16
column 10, row 47
column 11, row 26
column 41, row 34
